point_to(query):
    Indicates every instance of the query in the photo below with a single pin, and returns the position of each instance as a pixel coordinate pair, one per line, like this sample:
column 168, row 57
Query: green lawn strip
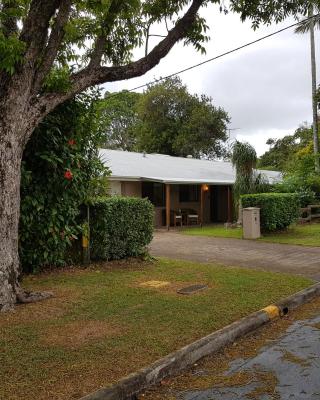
column 215, row 231
column 143, row 324
column 305, row 235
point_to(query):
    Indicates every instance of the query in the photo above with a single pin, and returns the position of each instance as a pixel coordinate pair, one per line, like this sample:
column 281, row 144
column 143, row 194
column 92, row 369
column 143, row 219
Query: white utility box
column 251, row 223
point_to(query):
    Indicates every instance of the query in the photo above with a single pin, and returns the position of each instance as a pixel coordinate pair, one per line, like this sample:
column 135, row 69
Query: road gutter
column 129, row 387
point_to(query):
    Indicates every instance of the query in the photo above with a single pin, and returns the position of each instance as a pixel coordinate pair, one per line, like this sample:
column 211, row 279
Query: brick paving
column 300, row 260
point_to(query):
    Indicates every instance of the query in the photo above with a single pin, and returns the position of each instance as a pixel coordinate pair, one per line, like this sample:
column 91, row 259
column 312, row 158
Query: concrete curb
column 128, row 387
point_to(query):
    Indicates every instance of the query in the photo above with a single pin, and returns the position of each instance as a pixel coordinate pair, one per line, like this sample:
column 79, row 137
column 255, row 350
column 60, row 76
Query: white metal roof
column 126, row 165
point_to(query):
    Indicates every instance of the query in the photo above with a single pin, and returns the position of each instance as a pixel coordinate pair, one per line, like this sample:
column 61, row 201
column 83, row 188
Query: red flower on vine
column 68, row 175
column 71, row 142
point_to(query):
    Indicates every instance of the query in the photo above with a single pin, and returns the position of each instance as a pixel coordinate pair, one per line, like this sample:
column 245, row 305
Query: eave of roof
column 128, row 166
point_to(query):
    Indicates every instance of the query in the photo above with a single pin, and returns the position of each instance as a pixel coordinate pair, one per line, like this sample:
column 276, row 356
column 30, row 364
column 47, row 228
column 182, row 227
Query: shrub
column 60, row 163
column 302, row 187
column 278, row 210
column 120, row 227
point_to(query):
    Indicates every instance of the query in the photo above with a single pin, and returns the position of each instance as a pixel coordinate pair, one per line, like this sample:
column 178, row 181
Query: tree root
column 25, row 297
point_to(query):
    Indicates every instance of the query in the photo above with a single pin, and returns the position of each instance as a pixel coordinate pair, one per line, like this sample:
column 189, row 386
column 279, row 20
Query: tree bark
column 11, row 150
column 10, row 163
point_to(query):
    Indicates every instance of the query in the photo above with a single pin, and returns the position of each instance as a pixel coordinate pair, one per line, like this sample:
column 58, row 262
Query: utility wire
column 219, row 56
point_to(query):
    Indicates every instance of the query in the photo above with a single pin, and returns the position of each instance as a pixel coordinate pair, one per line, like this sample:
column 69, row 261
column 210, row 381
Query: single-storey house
column 183, row 190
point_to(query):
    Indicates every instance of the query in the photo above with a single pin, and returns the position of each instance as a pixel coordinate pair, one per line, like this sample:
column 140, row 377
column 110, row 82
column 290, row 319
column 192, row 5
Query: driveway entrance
column 300, row 260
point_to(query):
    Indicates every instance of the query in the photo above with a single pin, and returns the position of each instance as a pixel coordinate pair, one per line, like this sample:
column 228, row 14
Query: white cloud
column 265, row 88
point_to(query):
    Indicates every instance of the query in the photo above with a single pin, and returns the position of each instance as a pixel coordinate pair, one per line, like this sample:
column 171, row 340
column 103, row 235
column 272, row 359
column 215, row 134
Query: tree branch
column 54, row 42
column 35, row 28
column 92, row 75
column 102, row 39
column 98, row 51
column 9, row 23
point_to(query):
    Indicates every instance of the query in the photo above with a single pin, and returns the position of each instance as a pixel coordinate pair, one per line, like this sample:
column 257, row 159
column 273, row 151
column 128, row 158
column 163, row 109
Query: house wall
column 131, row 188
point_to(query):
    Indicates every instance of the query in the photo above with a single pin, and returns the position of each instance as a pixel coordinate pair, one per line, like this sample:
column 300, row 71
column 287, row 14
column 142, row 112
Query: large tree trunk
column 10, row 162
column 11, row 150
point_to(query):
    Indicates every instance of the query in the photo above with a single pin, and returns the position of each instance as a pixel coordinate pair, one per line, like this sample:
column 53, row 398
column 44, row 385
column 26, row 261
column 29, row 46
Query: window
column 189, row 193
column 155, row 192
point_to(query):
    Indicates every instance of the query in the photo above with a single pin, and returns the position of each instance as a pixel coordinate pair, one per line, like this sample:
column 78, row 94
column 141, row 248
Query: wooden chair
column 191, row 218
column 178, row 218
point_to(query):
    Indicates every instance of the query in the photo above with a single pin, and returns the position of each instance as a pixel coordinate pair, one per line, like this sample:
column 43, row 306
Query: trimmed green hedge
column 278, row 210
column 120, row 227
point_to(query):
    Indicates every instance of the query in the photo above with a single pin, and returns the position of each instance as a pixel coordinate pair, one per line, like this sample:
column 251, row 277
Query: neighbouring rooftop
column 126, row 165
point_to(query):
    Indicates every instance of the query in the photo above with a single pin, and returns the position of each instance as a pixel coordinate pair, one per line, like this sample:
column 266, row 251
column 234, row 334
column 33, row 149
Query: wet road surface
column 293, row 361
column 285, row 367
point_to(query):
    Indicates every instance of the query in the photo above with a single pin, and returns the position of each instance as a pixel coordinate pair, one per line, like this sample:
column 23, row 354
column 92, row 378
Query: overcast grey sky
column 266, row 88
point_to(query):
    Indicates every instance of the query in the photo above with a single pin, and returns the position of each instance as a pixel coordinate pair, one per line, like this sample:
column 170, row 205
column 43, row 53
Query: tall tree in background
column 303, row 28
column 41, row 66
column 118, row 120
column 281, row 154
column 172, row 121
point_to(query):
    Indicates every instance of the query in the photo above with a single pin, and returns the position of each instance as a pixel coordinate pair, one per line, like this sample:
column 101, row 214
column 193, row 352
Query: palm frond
column 304, row 26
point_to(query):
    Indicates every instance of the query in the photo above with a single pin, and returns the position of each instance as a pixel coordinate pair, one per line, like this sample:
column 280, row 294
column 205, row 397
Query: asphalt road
column 293, row 361
column 280, row 361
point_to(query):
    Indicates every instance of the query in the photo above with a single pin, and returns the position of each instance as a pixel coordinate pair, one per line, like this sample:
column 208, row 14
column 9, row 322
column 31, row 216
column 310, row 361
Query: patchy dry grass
column 102, row 324
column 78, row 333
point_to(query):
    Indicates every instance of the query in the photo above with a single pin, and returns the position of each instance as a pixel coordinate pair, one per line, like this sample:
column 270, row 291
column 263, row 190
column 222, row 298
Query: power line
column 220, row 55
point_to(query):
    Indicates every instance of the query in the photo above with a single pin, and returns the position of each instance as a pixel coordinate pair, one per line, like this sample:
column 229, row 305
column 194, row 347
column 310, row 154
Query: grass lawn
column 104, row 322
column 305, row 235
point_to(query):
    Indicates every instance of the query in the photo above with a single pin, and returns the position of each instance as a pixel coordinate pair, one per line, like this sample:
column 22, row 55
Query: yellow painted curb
column 272, row 311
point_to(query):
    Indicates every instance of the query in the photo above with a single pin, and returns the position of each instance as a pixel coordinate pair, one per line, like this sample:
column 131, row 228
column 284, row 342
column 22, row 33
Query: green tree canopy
column 268, row 11
column 118, row 120
column 173, row 121
column 282, row 153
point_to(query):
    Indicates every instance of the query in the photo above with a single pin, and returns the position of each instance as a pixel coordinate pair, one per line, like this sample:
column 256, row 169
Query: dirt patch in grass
column 52, row 308
column 78, row 333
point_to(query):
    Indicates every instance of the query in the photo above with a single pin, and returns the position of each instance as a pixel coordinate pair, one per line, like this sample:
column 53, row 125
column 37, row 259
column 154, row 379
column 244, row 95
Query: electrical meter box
column 251, row 223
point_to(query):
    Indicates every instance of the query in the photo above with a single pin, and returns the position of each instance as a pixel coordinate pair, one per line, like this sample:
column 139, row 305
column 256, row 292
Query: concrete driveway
column 300, row 260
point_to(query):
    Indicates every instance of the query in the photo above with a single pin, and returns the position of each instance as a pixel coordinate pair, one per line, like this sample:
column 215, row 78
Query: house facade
column 182, row 190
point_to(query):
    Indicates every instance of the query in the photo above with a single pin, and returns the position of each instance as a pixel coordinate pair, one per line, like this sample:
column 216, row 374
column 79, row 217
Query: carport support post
column 201, row 204
column 229, row 204
column 168, row 206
